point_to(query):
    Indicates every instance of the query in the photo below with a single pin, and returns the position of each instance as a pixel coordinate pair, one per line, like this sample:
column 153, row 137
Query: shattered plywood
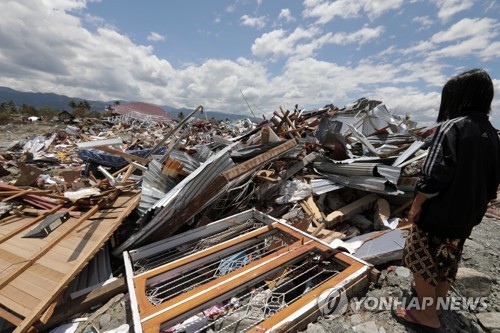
column 35, row 271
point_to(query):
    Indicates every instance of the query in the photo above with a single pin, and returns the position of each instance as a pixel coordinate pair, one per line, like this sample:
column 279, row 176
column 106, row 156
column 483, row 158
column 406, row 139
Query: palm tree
column 85, row 105
column 72, row 105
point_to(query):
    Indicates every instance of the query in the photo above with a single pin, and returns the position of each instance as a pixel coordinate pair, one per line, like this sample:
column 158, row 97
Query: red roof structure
column 144, row 109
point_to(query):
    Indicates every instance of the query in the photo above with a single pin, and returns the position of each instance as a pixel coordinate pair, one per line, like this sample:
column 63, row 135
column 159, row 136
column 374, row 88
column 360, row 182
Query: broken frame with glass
column 245, row 273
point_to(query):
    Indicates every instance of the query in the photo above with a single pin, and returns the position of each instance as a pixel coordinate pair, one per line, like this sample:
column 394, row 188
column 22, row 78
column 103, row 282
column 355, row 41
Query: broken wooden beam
column 350, row 210
column 101, row 294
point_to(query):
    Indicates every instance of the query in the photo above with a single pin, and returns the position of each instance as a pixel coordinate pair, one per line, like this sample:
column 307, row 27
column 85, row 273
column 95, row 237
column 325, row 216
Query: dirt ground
column 13, row 132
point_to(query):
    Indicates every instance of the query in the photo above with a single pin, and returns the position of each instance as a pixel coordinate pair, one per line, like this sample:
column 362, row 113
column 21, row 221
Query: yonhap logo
column 333, row 302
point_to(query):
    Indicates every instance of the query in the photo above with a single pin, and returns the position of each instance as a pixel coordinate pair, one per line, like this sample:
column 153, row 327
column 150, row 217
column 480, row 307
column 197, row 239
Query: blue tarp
column 112, row 160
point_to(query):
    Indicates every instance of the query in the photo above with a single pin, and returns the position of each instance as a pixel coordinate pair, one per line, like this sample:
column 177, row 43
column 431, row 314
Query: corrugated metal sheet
column 154, row 186
column 362, row 139
column 370, row 184
column 96, row 272
column 392, row 139
column 177, row 198
column 321, row 186
column 408, row 152
column 390, row 173
column 189, row 163
column 203, row 152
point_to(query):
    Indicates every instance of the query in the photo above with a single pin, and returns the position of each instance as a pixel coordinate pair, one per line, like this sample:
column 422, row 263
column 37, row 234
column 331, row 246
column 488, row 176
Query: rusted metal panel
column 257, row 161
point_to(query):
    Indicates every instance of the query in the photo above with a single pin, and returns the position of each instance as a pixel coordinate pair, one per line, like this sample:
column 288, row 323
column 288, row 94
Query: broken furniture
column 246, row 272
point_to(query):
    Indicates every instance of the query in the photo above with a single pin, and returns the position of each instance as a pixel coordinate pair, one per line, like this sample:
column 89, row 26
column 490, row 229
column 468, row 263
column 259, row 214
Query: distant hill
column 39, row 100
column 60, row 102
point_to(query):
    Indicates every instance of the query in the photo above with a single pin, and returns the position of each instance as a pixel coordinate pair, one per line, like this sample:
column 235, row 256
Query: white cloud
column 325, row 11
column 467, row 37
column 490, row 51
column 358, row 37
column 448, row 8
column 422, row 107
column 304, row 43
column 156, row 37
column 230, row 8
column 493, row 6
column 256, row 22
column 424, row 21
column 475, row 27
column 286, row 15
column 277, row 43
column 495, row 106
column 88, row 64
column 56, row 53
column 216, row 84
column 376, row 8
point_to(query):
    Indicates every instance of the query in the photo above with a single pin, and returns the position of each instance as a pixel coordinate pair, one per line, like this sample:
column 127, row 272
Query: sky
column 271, row 52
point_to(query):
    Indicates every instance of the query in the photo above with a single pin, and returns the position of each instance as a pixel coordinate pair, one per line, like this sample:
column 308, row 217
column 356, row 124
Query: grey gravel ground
column 481, row 254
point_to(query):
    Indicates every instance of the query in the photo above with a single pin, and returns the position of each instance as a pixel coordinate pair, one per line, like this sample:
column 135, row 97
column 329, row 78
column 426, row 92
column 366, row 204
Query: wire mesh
column 192, row 278
column 194, row 246
column 246, row 310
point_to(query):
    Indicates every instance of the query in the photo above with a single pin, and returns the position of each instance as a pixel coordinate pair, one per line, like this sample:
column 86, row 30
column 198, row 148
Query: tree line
column 78, row 109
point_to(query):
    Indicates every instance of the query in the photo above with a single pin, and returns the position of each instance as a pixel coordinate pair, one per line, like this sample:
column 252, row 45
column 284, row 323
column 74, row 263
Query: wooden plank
column 17, row 300
column 64, row 311
column 11, row 318
column 31, row 245
column 5, row 265
column 46, row 271
column 257, row 161
column 30, row 223
column 18, row 194
column 8, row 220
column 350, row 210
column 35, row 288
column 10, row 257
column 44, row 250
column 300, row 305
column 103, row 216
column 310, row 207
column 59, row 264
column 12, row 250
column 315, row 210
column 47, row 314
column 133, row 200
column 31, row 277
column 204, row 293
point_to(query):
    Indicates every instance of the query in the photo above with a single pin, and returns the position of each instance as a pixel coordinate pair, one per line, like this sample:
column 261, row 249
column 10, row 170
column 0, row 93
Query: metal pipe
column 179, row 125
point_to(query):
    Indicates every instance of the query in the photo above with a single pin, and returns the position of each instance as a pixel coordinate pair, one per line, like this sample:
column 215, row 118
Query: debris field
column 204, row 226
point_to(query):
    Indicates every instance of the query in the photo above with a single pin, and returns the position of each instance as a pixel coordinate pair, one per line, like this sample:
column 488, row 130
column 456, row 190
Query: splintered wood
column 35, row 271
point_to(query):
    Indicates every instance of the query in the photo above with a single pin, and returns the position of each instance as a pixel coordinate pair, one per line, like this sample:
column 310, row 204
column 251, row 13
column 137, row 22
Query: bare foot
column 417, row 317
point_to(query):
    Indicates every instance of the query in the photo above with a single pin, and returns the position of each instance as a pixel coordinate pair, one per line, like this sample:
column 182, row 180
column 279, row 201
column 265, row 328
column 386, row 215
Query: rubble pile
column 103, row 209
